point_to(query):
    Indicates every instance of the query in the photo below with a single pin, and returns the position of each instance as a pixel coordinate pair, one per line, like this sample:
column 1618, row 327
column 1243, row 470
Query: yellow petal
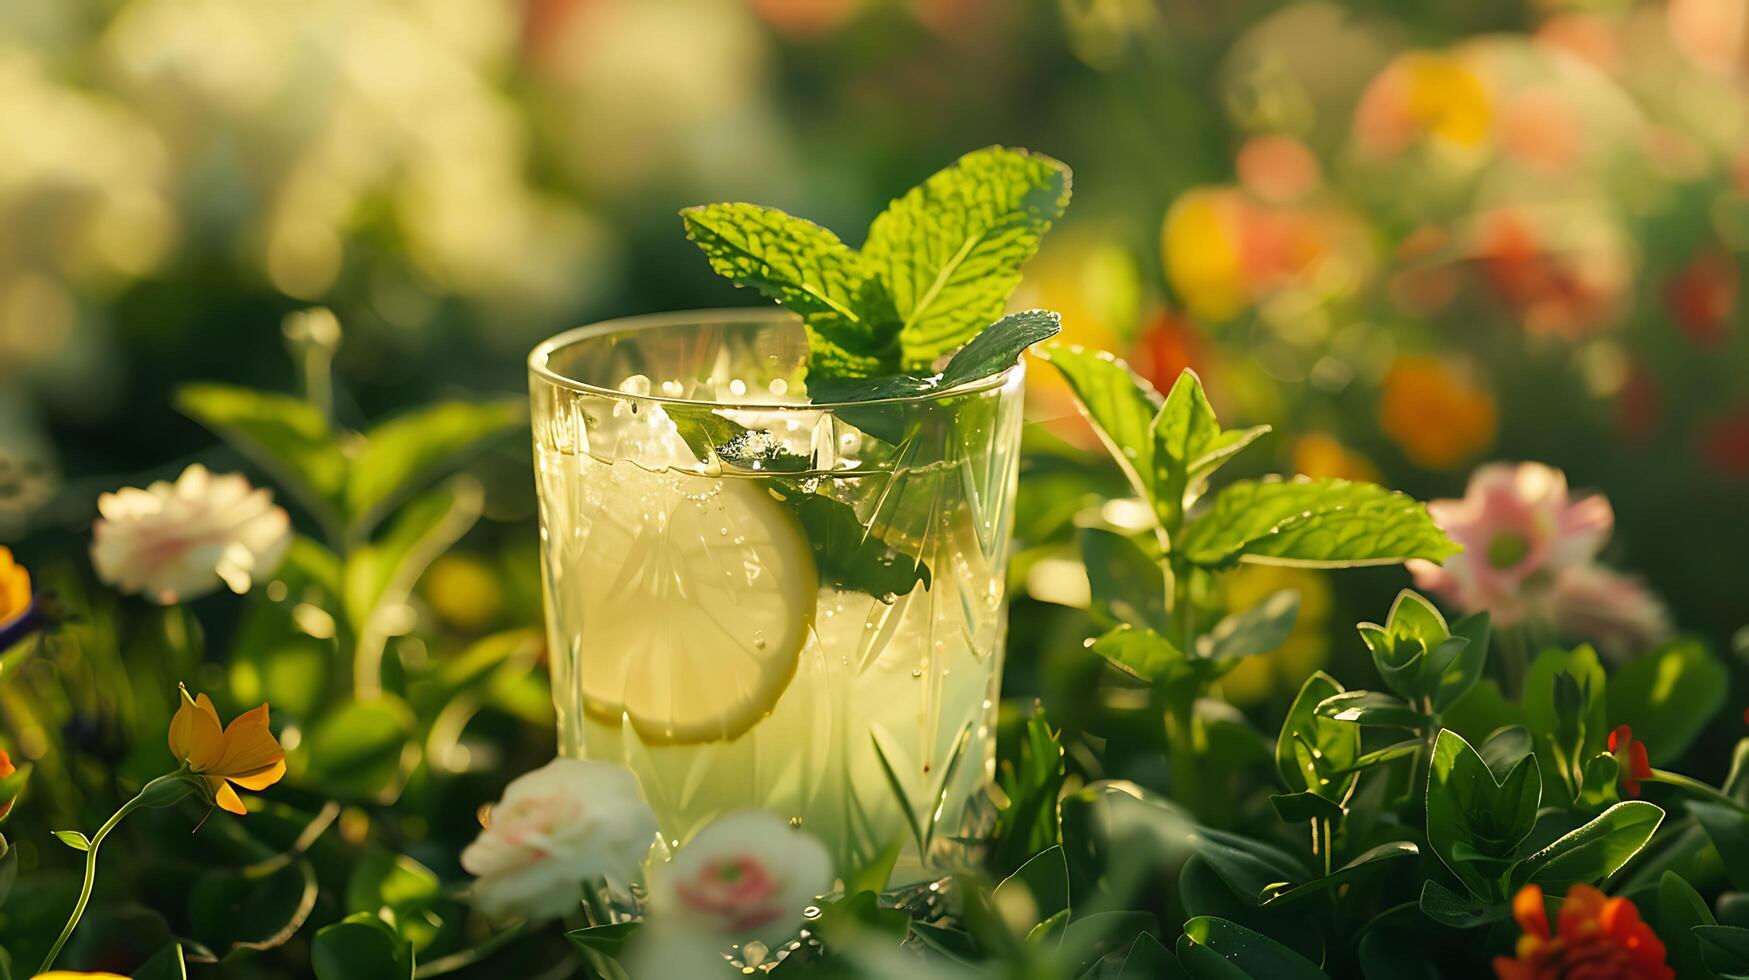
column 195, row 735
column 260, row 779
column 14, row 587
column 228, row 800
column 250, row 747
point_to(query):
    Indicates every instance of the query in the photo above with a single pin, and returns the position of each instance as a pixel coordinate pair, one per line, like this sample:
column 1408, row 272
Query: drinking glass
column 757, row 601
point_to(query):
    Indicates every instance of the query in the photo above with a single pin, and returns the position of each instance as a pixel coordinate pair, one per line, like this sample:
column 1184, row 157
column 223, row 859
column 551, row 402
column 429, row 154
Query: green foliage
column 1594, row 851
column 1565, row 708
column 1324, row 523
column 1476, row 818
column 950, row 250
column 1216, row 948
column 937, row 268
column 1724, row 950
column 853, row 329
column 1421, row 658
column 1680, row 909
column 403, row 454
column 1030, row 822
column 1667, row 696
column 1314, row 754
column 360, row 947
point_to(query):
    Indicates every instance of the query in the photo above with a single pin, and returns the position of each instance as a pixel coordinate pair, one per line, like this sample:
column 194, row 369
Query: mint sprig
column 938, row 266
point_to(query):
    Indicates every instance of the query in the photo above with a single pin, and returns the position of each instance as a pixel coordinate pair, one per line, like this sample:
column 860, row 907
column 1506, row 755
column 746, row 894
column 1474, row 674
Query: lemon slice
column 700, row 595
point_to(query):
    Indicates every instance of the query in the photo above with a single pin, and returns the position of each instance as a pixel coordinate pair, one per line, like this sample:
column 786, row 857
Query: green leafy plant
column 937, row 267
column 1168, row 449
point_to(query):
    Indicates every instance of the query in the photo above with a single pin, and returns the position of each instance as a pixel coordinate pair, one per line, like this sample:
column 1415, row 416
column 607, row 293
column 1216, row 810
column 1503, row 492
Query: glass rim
column 538, row 362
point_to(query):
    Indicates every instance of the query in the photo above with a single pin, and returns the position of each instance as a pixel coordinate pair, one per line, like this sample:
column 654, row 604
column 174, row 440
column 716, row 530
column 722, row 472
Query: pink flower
column 1530, row 551
column 746, row 878
column 1612, row 610
column 1519, row 529
column 177, row 541
column 568, row 822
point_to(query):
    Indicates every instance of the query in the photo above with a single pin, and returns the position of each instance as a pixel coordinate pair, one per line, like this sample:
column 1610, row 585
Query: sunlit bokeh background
column 1412, row 237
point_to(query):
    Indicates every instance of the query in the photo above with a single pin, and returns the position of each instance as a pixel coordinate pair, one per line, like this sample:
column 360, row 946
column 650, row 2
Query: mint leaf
column 852, row 329
column 846, row 554
column 1141, row 653
column 1120, row 405
column 949, row 252
column 999, row 345
column 992, row 351
column 1184, row 428
column 1316, row 523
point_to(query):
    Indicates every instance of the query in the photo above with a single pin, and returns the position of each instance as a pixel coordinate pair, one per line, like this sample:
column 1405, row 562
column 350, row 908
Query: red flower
column 1596, row 938
column 1702, row 298
column 1724, row 444
column 1631, row 754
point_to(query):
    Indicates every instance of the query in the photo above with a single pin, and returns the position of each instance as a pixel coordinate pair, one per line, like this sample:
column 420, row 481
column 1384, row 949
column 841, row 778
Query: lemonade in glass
column 758, row 601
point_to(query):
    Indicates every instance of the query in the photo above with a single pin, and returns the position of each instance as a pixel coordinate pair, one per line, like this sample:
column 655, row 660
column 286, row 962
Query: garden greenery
column 1419, row 823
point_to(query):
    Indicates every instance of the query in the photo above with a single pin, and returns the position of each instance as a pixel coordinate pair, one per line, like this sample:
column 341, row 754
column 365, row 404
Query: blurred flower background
column 1413, row 238
column 1412, row 242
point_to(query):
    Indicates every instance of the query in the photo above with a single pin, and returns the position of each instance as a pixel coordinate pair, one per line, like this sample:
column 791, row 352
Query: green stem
column 1697, row 787
column 91, row 866
column 1514, row 661
column 468, row 957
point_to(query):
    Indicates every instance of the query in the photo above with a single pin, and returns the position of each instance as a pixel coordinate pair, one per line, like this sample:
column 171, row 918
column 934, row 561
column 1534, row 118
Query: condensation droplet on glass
column 778, row 386
column 888, row 598
column 758, row 640
column 737, row 387
column 637, row 384
column 916, row 671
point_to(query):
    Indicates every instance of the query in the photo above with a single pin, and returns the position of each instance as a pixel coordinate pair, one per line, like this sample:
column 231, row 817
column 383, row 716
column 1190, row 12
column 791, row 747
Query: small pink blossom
column 747, row 878
column 1530, row 554
column 177, row 541
column 566, row 823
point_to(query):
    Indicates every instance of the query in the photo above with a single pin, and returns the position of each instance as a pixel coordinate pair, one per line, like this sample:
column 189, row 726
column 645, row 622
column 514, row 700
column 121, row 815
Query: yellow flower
column 464, row 592
column 1448, row 100
column 1201, row 242
column 1319, row 454
column 74, row 975
column 1437, row 417
column 243, row 752
column 14, row 588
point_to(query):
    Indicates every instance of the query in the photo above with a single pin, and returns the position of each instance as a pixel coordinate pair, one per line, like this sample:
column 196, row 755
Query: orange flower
column 1423, row 94
column 1596, row 937
column 1630, row 753
column 1438, row 418
column 243, row 752
column 1319, row 454
column 6, row 771
column 14, row 589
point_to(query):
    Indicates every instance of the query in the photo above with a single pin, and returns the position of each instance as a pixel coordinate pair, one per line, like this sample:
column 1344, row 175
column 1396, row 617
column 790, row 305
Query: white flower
column 569, row 821
column 172, row 542
column 746, row 878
